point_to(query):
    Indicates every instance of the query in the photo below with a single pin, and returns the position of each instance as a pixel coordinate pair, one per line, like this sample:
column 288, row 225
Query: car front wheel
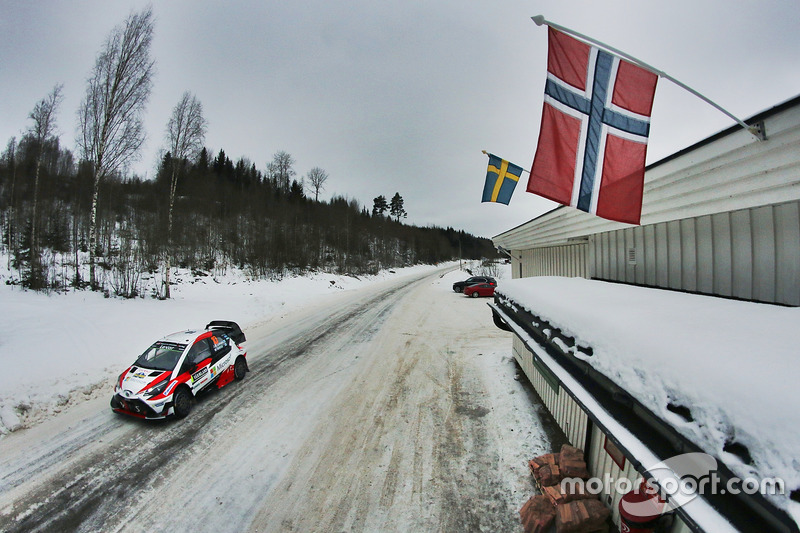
column 182, row 402
column 458, row 289
column 475, row 294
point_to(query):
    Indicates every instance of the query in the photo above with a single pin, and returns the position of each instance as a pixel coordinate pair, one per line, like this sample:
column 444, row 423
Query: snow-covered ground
column 387, row 405
column 61, row 349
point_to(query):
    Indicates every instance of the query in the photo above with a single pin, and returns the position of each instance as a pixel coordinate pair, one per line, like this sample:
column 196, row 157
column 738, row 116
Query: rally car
column 165, row 379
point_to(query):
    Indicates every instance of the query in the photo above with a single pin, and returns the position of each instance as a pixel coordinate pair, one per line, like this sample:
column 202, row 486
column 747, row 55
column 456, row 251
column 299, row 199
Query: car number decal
column 200, row 373
column 219, row 344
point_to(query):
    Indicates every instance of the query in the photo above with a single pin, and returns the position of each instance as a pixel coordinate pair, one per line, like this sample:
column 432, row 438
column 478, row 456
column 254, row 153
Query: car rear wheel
column 475, row 294
column 239, row 368
column 182, row 402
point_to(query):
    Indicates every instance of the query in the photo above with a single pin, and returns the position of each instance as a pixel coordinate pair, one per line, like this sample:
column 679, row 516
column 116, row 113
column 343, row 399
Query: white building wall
column 753, row 254
column 569, row 415
column 568, row 260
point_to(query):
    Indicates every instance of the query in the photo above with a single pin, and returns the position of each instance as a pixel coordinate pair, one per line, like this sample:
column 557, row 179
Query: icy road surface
column 389, row 408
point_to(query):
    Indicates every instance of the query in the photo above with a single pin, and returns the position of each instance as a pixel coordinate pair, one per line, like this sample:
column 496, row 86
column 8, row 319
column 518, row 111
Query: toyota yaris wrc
column 168, row 375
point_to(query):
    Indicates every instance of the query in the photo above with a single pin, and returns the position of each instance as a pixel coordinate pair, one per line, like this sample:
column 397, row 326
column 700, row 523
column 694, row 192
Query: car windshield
column 161, row 356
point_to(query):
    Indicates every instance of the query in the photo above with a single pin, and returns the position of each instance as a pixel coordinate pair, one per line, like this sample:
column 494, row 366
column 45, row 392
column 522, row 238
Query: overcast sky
column 399, row 96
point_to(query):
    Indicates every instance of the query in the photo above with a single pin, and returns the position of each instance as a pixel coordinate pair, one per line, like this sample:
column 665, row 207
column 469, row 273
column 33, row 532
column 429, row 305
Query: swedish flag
column 501, row 178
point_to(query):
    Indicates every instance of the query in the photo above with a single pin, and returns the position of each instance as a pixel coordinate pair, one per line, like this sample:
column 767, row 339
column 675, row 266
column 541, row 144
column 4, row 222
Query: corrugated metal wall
column 568, row 260
column 753, row 254
column 569, row 415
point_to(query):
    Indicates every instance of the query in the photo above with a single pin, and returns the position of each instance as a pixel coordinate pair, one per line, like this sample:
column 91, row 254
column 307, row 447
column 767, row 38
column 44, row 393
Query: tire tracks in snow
column 407, row 446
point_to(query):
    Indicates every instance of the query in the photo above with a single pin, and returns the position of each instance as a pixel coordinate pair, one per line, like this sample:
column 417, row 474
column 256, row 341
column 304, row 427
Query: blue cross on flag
column 595, row 124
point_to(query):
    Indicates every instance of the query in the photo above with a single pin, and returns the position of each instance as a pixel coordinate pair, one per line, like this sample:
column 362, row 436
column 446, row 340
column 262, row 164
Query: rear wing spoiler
column 231, row 329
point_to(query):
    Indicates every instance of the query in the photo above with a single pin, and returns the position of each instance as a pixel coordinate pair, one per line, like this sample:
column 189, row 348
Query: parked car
column 481, row 289
column 164, row 380
column 459, row 286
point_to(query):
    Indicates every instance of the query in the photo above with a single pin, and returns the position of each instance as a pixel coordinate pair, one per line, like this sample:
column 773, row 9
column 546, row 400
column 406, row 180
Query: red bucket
column 640, row 510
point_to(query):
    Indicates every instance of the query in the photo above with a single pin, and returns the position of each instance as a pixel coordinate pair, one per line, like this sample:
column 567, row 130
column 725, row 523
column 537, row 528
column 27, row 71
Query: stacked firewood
column 567, row 505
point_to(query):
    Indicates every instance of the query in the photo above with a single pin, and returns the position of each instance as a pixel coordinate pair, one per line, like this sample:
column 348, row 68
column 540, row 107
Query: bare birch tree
column 11, row 161
column 186, row 131
column 280, row 170
column 44, row 125
column 317, row 178
column 43, row 129
column 111, row 131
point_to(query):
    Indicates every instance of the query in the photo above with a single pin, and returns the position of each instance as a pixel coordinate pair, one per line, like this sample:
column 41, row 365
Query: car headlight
column 155, row 390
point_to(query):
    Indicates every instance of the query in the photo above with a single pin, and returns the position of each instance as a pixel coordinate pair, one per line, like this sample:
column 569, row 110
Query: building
column 719, row 218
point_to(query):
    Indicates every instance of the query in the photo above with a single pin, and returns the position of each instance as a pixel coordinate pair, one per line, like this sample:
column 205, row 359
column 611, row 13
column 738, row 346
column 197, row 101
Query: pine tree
column 396, row 207
column 379, row 206
column 296, row 193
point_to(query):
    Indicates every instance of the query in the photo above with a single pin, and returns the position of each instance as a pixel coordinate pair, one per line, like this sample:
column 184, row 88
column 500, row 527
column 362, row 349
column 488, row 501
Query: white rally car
column 167, row 376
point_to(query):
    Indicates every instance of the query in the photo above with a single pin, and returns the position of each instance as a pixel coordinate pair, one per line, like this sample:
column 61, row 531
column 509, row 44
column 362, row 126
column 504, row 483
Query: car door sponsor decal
column 200, row 374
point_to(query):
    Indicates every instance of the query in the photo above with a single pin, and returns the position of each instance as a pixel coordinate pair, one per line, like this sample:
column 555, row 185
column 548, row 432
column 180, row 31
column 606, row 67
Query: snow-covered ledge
column 721, row 372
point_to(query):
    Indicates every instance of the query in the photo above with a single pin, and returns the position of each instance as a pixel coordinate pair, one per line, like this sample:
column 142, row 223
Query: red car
column 480, row 289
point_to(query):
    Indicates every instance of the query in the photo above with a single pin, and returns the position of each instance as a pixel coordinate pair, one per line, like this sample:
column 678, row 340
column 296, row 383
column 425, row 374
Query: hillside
column 225, row 215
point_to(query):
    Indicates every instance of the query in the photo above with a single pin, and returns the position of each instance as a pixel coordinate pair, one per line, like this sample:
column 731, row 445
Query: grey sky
column 391, row 96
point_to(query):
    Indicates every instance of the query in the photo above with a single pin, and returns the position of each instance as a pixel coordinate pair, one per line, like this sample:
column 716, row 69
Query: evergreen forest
column 225, row 215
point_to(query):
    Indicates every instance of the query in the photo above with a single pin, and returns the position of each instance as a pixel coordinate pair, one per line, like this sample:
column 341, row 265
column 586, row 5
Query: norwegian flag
column 595, row 123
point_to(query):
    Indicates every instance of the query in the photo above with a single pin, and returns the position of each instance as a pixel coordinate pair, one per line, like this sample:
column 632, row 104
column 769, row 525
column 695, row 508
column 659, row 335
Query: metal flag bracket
column 758, row 130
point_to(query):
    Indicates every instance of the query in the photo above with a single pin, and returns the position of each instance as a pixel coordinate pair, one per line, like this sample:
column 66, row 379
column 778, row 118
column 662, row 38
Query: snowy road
column 388, row 408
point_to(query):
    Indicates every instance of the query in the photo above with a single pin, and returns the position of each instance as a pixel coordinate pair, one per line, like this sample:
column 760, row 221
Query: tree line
column 77, row 220
column 221, row 214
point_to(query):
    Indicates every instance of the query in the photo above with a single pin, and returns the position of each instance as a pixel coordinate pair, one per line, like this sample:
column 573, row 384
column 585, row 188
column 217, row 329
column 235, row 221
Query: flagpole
column 487, row 154
column 756, row 131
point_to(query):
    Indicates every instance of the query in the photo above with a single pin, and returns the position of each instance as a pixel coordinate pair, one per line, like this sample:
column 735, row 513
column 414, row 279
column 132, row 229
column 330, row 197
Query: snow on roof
column 734, row 364
column 183, row 337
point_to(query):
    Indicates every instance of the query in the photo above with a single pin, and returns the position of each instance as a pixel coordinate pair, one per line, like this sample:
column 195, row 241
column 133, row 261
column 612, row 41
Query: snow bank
column 60, row 349
column 734, row 364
